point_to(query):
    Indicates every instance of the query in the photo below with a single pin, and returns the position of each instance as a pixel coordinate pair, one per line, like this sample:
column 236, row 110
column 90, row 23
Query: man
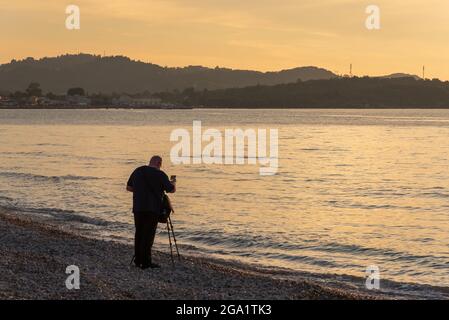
column 147, row 183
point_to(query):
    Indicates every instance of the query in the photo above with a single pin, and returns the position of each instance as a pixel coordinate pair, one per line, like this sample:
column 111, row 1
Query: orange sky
column 249, row 34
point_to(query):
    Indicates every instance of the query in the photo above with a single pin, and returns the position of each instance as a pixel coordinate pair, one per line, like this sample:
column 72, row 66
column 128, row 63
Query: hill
column 121, row 74
column 401, row 75
column 334, row 93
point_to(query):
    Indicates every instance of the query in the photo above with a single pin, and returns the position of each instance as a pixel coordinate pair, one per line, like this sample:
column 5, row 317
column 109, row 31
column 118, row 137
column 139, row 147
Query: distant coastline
column 339, row 93
column 90, row 108
column 219, row 107
column 119, row 82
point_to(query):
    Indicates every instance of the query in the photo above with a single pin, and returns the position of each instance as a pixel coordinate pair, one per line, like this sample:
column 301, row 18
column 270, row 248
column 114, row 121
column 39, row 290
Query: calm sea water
column 355, row 187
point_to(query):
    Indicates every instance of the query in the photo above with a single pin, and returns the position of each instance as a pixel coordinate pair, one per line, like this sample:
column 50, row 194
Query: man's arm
column 169, row 187
column 129, row 185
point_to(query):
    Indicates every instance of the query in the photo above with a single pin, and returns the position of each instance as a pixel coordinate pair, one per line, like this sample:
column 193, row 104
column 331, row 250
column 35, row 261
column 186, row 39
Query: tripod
column 171, row 233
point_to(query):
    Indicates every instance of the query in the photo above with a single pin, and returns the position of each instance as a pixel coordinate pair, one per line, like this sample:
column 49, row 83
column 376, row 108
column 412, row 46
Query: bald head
column 156, row 162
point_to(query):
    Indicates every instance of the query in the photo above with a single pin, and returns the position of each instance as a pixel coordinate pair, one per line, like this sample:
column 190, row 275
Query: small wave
column 289, row 251
column 51, row 145
column 310, row 149
column 60, row 214
column 435, row 194
column 37, row 177
column 5, row 198
column 430, row 261
column 346, row 204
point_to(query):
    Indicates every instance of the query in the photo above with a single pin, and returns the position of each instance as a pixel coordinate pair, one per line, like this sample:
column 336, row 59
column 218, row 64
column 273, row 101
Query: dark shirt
column 148, row 185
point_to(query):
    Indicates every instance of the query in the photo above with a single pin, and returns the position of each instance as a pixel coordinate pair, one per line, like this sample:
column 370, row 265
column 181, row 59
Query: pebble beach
column 34, row 257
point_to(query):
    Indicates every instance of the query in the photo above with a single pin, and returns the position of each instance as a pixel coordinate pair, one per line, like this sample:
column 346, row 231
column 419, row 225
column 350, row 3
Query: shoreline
column 35, row 256
column 225, row 108
column 234, row 108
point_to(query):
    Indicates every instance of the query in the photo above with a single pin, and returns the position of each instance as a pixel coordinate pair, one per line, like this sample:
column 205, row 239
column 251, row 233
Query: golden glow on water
column 353, row 189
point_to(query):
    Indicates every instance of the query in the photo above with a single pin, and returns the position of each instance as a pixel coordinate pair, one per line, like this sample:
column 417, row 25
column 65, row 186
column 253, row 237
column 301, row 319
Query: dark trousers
column 146, row 225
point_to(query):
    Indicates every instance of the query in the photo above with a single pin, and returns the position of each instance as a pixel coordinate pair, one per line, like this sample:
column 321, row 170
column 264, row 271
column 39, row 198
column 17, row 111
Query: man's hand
column 173, row 182
column 130, row 189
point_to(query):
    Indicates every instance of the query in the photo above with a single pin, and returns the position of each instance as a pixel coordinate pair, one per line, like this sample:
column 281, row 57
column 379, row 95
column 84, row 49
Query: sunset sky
column 245, row 34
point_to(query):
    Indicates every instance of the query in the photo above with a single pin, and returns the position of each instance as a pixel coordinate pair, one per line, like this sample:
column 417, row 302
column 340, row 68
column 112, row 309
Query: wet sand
column 34, row 257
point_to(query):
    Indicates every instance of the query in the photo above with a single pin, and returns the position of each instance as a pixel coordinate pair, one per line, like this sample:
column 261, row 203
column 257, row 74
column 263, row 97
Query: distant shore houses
column 77, row 100
column 33, row 101
column 43, row 101
column 7, row 102
column 80, row 101
column 128, row 101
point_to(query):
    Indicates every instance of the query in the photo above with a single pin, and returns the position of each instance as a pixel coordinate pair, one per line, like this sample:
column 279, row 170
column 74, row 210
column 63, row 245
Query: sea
column 355, row 188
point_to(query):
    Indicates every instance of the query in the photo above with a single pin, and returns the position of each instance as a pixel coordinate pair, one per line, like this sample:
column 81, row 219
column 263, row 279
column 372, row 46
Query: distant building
column 7, row 102
column 47, row 102
column 33, row 101
column 127, row 101
column 77, row 100
column 122, row 101
column 147, row 102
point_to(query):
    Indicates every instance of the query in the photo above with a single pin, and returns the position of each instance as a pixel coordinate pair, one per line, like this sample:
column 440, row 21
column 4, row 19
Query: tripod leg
column 174, row 238
column 169, row 240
